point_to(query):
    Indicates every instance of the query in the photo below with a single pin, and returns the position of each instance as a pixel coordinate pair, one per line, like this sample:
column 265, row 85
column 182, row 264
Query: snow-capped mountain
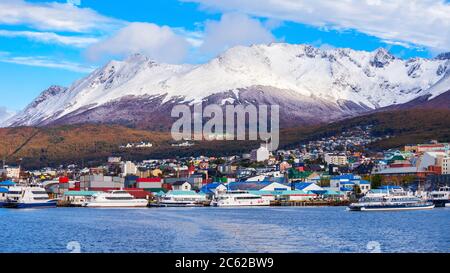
column 310, row 84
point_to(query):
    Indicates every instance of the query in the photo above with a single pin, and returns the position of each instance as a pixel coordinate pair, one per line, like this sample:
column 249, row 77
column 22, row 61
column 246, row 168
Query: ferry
column 180, row 199
column 441, row 197
column 28, row 197
column 114, row 199
column 239, row 198
column 389, row 200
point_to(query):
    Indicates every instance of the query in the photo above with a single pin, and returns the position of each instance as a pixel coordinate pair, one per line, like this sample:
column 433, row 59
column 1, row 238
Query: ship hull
column 441, row 203
column 116, row 205
column 391, row 208
column 18, row 205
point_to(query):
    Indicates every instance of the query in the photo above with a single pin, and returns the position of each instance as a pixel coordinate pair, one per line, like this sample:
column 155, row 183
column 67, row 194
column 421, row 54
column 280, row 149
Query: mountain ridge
column 315, row 79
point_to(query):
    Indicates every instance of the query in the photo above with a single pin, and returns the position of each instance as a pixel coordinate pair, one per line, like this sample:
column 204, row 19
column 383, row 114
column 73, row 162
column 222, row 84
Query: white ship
column 115, row 198
column 28, row 197
column 389, row 200
column 441, row 197
column 238, row 198
column 180, row 199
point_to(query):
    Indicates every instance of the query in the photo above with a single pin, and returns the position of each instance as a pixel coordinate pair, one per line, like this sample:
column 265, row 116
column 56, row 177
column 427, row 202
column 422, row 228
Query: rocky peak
column 47, row 93
column 381, row 58
column 443, row 56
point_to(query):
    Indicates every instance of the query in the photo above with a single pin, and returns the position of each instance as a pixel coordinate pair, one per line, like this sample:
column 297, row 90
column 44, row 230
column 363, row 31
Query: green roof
column 80, row 193
column 155, row 190
column 397, row 157
column 295, row 174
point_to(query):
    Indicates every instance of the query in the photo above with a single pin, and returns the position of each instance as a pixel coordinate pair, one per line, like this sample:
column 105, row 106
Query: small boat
column 114, row 199
column 238, row 198
column 441, row 197
column 389, row 200
column 28, row 197
column 180, row 199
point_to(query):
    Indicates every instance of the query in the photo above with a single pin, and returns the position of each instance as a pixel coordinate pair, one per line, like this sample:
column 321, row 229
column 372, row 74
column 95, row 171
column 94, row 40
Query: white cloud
column 50, row 37
column 232, row 30
column 54, row 16
column 160, row 43
column 195, row 38
column 419, row 22
column 5, row 114
column 43, row 61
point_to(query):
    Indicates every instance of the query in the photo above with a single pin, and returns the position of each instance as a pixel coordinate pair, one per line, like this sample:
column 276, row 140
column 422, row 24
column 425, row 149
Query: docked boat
column 4, row 188
column 114, row 199
column 3, row 196
column 390, row 200
column 441, row 197
column 28, row 197
column 180, row 199
column 239, row 198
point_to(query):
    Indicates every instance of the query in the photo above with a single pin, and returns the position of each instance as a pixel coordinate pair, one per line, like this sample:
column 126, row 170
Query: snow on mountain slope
column 366, row 79
column 442, row 86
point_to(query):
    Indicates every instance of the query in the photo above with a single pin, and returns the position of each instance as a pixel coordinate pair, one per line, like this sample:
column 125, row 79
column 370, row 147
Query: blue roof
column 364, row 182
column 348, row 183
column 344, row 176
column 302, row 185
column 208, row 188
column 3, row 190
column 319, row 192
column 248, row 185
column 280, row 180
column 7, row 183
column 345, row 189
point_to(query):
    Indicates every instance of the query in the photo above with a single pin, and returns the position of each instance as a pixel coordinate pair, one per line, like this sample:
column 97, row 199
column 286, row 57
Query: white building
column 144, row 145
column 446, row 165
column 114, row 159
column 336, row 159
column 12, row 172
column 181, row 186
column 129, row 168
column 431, row 159
column 260, row 155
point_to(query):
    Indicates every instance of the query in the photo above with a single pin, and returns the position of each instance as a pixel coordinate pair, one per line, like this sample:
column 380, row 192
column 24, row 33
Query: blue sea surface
column 225, row 230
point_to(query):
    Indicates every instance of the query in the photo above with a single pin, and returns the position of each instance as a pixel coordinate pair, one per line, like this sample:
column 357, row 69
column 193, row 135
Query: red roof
column 63, row 180
column 149, row 180
column 140, row 194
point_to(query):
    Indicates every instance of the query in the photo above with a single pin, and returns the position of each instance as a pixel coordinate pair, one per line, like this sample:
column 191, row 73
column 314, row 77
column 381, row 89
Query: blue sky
column 56, row 42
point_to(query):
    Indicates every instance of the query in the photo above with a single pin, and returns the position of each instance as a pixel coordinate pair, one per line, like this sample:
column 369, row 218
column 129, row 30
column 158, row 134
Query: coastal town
column 330, row 171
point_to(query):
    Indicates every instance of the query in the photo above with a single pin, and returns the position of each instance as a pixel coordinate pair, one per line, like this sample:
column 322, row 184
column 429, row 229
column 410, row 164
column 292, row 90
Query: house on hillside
column 181, row 186
column 346, row 183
